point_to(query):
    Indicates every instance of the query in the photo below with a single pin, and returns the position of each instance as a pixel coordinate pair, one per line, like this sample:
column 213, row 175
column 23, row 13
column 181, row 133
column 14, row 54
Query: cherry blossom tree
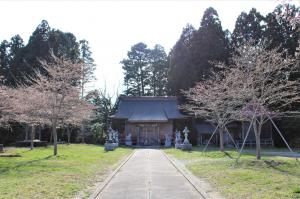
column 54, row 97
column 272, row 92
column 6, row 107
column 218, row 99
column 28, row 108
column 256, row 85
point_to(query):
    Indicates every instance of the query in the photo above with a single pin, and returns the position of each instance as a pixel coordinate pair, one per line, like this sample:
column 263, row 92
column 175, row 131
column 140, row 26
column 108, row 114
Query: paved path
column 148, row 174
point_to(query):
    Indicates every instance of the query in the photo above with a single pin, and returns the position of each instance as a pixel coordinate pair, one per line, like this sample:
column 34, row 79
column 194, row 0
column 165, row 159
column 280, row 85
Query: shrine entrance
column 148, row 135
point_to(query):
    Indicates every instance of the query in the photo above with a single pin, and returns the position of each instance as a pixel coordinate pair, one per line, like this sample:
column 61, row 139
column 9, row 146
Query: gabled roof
column 148, row 109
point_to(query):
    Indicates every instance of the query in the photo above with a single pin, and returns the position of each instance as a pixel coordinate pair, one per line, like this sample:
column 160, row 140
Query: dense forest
column 192, row 57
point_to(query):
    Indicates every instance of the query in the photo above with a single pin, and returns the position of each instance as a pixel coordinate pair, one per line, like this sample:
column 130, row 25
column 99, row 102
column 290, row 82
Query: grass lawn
column 272, row 177
column 39, row 174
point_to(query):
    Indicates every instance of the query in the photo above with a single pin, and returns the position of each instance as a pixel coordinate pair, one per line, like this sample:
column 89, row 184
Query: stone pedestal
column 186, row 147
column 168, row 144
column 109, row 146
column 128, row 142
column 178, row 145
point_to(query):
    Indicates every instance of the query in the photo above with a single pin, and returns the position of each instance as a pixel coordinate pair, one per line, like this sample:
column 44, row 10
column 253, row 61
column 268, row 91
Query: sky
column 112, row 27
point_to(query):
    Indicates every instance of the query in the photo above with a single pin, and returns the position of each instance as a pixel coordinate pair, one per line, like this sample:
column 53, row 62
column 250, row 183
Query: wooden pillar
column 137, row 135
column 146, row 134
column 158, row 134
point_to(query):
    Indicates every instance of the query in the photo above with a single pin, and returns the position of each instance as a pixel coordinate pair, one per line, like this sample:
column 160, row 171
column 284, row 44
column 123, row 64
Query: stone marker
column 168, row 140
column 128, row 140
column 178, row 140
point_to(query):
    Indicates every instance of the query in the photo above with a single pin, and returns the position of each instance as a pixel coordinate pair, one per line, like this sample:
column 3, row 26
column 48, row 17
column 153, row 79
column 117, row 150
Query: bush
column 97, row 130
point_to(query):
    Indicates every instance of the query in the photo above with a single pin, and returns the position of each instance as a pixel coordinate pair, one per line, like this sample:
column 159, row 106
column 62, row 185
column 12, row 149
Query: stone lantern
column 186, row 146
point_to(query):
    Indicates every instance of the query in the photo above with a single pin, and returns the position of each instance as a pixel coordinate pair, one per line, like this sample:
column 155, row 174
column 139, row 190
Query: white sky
column 112, row 27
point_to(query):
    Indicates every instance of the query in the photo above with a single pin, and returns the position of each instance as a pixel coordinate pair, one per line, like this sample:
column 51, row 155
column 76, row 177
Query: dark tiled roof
column 142, row 109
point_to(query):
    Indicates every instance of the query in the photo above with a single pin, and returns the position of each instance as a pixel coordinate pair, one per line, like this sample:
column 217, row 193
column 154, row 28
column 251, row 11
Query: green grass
column 39, row 174
column 270, row 178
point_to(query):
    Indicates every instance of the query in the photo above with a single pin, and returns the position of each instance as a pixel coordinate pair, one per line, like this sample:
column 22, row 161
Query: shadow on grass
column 228, row 155
column 276, row 166
column 4, row 170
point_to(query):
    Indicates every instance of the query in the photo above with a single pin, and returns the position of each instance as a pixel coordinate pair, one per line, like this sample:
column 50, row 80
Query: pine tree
column 158, row 71
column 88, row 65
column 136, row 70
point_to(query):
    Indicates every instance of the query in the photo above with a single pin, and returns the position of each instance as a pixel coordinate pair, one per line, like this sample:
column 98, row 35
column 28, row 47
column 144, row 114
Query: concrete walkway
column 148, row 174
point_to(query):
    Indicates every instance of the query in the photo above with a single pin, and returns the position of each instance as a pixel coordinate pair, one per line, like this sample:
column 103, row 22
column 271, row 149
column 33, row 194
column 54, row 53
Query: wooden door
column 148, row 135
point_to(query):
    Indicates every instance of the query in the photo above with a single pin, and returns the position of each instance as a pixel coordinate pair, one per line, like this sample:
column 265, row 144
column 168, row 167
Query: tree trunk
column 221, row 132
column 142, row 82
column 257, row 132
column 83, row 133
column 40, row 132
column 54, row 139
column 51, row 137
column 69, row 134
column 32, row 135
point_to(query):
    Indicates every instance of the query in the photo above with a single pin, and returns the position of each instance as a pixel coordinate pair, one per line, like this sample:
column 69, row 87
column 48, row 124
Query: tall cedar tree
column 44, row 40
column 88, row 66
column 210, row 45
column 180, row 66
column 280, row 32
column 196, row 50
column 248, row 27
column 4, row 61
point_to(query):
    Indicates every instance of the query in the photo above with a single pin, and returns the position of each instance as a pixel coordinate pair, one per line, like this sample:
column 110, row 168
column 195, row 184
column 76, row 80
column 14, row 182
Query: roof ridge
column 148, row 97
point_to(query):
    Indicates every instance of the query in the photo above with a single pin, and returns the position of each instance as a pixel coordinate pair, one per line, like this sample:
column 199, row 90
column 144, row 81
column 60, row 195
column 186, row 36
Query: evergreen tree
column 4, row 61
column 158, row 71
column 136, row 70
column 16, row 43
column 44, row 41
column 180, row 66
column 63, row 45
column 26, row 60
column 280, row 32
column 88, row 66
column 248, row 27
column 192, row 56
column 209, row 45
